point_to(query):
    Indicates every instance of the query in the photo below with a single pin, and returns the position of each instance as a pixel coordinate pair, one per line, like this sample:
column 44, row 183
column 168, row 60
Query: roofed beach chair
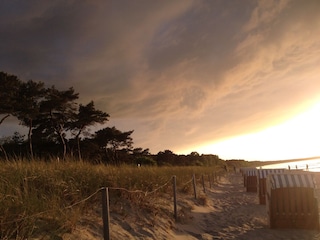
column 291, row 201
column 262, row 178
column 249, row 179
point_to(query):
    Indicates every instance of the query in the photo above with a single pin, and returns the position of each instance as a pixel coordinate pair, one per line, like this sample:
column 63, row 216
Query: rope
column 85, row 199
column 188, row 181
column 140, row 191
column 67, row 207
column 126, row 190
column 146, row 193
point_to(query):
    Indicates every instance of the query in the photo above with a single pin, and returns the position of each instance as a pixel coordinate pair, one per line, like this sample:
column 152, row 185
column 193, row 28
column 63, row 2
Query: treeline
column 59, row 127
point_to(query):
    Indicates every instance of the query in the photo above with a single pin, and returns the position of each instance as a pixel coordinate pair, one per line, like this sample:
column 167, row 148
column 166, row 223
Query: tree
column 58, row 110
column 28, row 107
column 86, row 116
column 139, row 152
column 18, row 138
column 194, row 159
column 144, row 160
column 113, row 140
column 90, row 150
column 9, row 85
column 142, row 156
column 166, row 157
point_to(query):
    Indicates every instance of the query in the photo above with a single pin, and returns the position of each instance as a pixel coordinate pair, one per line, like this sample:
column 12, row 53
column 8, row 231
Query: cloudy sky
column 239, row 79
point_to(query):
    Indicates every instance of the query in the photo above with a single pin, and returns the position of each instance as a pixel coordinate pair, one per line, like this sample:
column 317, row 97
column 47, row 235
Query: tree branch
column 6, row 116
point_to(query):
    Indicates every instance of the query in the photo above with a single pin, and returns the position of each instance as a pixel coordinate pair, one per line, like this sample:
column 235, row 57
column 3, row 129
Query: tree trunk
column 30, row 139
column 78, row 144
column 63, row 143
column 79, row 150
column 64, row 147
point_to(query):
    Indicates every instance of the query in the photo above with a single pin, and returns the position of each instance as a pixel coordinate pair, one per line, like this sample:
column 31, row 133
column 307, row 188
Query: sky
column 239, row 79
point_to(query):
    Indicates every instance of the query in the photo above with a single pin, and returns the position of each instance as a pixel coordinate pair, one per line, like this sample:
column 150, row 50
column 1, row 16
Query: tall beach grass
column 40, row 196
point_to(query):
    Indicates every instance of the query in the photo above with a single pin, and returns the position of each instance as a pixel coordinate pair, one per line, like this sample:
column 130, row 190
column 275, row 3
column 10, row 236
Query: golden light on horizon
column 298, row 137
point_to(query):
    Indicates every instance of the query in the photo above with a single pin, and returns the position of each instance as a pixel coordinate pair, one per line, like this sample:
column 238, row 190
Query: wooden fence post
column 105, row 214
column 204, row 187
column 174, row 181
column 194, row 186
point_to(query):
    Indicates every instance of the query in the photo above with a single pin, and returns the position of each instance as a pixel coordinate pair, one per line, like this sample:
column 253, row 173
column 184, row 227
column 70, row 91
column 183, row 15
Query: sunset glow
column 298, row 137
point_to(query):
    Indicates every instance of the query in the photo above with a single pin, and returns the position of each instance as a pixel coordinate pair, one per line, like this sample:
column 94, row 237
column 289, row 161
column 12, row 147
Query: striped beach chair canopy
column 248, row 171
column 252, row 172
column 283, row 180
column 263, row 173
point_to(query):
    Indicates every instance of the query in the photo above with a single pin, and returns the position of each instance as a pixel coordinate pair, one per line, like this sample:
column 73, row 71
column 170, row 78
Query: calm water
column 313, row 165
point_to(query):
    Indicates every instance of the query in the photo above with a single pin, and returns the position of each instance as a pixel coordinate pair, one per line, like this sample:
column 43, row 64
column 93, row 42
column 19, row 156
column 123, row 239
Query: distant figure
column 296, row 167
column 307, row 167
column 289, row 167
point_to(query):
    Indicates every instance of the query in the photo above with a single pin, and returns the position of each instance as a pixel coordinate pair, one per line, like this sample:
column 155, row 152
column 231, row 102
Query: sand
column 226, row 211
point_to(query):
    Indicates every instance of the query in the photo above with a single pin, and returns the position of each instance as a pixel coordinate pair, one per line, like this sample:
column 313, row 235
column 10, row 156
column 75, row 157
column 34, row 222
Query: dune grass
column 39, row 196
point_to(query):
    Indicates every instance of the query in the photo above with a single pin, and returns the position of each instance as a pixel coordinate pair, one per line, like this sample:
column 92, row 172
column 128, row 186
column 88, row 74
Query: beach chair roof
column 263, row 173
column 252, row 172
column 291, row 180
column 249, row 171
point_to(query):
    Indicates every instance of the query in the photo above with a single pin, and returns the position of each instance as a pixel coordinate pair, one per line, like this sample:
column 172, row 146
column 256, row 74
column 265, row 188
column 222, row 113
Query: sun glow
column 297, row 138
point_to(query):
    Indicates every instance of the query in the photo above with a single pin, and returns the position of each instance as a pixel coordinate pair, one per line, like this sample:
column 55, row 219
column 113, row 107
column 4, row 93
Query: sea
column 312, row 165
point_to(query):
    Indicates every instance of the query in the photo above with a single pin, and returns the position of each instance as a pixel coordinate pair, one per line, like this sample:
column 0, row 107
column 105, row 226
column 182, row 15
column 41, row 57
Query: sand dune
column 226, row 212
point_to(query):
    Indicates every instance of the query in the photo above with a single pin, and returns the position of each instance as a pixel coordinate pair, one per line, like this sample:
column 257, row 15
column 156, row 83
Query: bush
column 146, row 161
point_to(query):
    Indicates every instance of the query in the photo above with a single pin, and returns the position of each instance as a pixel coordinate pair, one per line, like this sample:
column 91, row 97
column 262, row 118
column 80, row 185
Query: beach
column 225, row 211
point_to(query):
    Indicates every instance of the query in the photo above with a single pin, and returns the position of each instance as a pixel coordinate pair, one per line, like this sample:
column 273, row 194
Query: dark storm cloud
column 177, row 72
column 38, row 42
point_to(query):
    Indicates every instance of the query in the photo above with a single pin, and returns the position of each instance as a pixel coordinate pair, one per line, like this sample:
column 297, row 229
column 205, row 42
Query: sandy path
column 229, row 213
column 232, row 213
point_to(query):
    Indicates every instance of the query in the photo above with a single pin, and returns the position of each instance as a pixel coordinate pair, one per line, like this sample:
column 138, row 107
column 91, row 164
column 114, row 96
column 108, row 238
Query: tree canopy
column 59, row 127
column 9, row 85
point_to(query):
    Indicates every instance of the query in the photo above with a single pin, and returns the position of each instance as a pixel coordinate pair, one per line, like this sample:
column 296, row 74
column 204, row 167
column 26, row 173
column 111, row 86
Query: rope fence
column 105, row 199
column 173, row 180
